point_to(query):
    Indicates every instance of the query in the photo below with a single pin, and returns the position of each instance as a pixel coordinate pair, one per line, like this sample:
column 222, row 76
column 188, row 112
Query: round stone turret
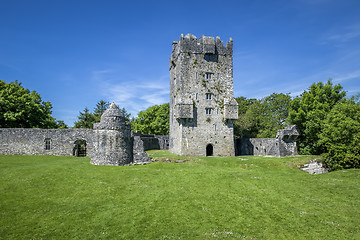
column 112, row 139
column 111, row 119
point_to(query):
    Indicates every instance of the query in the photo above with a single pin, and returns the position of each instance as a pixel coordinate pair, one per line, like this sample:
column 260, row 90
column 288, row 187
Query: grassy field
column 47, row 197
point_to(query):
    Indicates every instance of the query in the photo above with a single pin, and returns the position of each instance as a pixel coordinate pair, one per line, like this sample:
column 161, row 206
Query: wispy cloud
column 343, row 35
column 135, row 94
column 339, row 78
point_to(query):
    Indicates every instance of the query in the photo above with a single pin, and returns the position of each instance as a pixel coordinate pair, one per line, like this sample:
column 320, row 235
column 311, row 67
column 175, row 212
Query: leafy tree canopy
column 262, row 118
column 154, row 120
column 309, row 110
column 340, row 136
column 20, row 108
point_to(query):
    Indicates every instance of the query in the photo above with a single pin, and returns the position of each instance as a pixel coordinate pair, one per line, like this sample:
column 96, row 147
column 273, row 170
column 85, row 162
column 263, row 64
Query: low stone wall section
column 31, row 141
column 151, row 141
column 139, row 154
column 257, row 146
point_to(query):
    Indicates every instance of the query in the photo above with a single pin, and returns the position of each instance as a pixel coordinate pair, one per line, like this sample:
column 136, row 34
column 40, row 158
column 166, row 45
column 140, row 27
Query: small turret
column 111, row 119
column 112, row 139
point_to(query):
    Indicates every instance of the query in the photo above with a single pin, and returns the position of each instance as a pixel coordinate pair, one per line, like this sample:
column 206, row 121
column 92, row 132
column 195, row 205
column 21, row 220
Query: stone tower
column 112, row 140
column 202, row 107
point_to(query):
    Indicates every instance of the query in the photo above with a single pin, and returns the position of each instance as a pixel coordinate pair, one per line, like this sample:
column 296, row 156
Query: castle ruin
column 109, row 143
column 202, row 107
column 202, row 114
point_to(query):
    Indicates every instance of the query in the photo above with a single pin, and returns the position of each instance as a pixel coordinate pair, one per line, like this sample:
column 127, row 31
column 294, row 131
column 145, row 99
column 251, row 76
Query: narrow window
column 208, row 111
column 214, row 127
column 208, row 96
column 47, row 143
column 196, row 96
column 208, row 75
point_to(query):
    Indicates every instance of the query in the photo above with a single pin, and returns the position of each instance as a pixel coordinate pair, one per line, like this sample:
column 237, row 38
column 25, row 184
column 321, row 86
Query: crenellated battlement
column 207, row 45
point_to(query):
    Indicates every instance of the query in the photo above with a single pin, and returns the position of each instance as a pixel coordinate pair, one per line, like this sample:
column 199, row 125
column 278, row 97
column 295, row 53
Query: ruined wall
column 110, row 143
column 139, row 154
column 283, row 145
column 202, row 108
column 151, row 141
column 258, row 146
column 31, row 141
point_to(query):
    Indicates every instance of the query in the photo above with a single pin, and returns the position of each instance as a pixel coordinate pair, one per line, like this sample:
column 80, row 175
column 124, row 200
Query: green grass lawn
column 247, row 197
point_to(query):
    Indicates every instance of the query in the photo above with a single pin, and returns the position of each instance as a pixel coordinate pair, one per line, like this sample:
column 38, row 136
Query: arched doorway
column 209, row 150
column 79, row 148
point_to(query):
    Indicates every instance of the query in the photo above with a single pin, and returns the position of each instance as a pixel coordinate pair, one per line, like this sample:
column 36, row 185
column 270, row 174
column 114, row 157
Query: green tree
column 126, row 115
column 86, row 119
column 340, row 136
column 274, row 112
column 20, row 108
column 262, row 118
column 309, row 110
column 246, row 126
column 154, row 120
column 100, row 108
column 61, row 124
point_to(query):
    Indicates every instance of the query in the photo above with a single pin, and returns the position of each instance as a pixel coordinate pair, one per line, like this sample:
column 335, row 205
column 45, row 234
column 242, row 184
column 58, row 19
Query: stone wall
column 257, row 146
column 283, row 145
column 31, row 141
column 139, row 154
column 151, row 141
column 110, row 143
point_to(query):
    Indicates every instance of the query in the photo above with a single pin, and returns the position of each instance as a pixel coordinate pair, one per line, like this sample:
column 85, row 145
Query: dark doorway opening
column 209, row 150
column 79, row 148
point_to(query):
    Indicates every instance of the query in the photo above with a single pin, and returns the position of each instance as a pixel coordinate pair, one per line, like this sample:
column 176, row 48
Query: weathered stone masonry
column 283, row 145
column 35, row 141
column 110, row 143
column 202, row 107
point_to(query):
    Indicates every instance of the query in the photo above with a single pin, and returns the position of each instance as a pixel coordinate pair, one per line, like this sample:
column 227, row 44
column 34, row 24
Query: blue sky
column 75, row 53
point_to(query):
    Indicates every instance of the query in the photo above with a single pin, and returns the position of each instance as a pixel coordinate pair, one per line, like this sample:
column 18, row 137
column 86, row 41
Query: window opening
column 208, row 96
column 208, row 75
column 47, row 143
column 209, row 57
column 208, row 111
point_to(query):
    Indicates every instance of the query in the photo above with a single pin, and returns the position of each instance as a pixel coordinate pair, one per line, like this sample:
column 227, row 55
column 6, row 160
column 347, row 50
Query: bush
column 341, row 136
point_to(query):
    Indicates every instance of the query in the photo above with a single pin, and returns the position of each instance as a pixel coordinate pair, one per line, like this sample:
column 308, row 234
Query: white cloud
column 135, row 94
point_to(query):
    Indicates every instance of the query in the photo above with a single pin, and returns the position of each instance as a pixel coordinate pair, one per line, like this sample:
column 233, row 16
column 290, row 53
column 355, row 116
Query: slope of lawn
column 246, row 197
